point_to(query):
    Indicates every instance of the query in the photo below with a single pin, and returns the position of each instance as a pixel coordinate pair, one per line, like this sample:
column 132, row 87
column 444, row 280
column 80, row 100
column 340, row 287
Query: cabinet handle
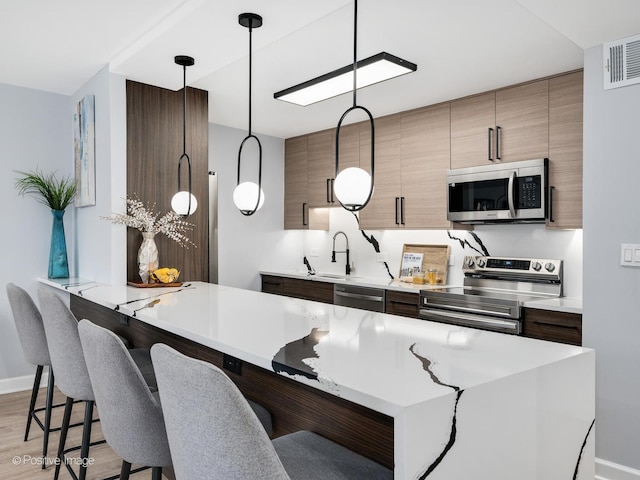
column 333, row 200
column 556, row 325
column 402, row 210
column 304, row 214
column 498, row 143
column 551, row 189
column 489, row 132
column 397, row 221
column 328, row 190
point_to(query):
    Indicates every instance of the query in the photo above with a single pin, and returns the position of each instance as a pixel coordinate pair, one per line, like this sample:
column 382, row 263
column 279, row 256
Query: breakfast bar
column 429, row 400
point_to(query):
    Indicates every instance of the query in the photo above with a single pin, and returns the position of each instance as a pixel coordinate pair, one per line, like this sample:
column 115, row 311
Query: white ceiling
column 461, row 47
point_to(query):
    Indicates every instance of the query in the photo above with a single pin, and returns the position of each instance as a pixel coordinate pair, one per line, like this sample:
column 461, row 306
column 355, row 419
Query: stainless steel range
column 493, row 293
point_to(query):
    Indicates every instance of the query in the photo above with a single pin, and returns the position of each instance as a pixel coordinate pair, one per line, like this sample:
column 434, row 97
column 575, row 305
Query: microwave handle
column 512, row 205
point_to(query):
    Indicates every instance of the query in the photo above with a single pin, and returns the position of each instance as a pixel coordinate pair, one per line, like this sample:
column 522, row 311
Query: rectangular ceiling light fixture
column 378, row 68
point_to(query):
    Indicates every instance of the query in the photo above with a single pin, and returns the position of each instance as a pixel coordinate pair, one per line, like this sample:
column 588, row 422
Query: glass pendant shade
column 180, row 203
column 245, row 197
column 352, row 187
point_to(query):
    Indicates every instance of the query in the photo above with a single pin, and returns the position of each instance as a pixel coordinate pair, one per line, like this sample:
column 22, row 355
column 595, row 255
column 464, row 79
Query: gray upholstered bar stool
column 34, row 345
column 213, row 433
column 130, row 414
column 73, row 379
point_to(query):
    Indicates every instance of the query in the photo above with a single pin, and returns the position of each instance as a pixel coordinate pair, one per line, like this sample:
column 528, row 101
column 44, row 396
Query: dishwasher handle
column 359, row 296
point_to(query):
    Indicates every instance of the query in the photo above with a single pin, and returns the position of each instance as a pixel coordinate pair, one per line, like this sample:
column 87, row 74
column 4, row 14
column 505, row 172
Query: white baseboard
column 19, row 384
column 606, row 470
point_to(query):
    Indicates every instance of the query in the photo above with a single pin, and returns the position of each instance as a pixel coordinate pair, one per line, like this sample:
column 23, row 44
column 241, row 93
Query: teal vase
column 58, row 266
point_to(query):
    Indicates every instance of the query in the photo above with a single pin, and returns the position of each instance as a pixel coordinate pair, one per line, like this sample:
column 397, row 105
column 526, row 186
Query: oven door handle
column 459, row 318
column 510, row 196
column 509, row 314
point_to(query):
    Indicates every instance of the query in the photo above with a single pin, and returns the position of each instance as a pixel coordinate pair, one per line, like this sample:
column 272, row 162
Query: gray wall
column 35, row 131
column 612, row 292
column 258, row 242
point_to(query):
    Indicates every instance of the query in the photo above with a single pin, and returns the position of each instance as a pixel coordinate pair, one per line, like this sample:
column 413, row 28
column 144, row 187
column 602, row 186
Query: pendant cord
column 355, row 48
column 250, row 62
column 184, row 110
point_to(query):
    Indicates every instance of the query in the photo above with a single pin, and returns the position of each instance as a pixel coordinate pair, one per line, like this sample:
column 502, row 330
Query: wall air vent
column 622, row 62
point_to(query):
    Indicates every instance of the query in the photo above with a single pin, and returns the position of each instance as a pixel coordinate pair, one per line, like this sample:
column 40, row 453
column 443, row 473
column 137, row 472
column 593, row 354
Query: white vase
column 147, row 257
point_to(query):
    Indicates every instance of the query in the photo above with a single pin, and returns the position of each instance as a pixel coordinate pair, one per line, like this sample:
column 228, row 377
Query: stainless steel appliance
column 493, row 292
column 513, row 192
column 366, row 298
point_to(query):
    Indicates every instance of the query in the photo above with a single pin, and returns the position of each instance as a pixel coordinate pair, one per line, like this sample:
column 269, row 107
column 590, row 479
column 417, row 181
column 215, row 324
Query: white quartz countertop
column 373, row 282
column 373, row 359
column 562, row 304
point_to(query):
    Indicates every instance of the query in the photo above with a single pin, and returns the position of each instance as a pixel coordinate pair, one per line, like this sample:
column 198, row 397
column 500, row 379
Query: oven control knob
column 536, row 266
column 550, row 267
column 470, row 262
column 481, row 262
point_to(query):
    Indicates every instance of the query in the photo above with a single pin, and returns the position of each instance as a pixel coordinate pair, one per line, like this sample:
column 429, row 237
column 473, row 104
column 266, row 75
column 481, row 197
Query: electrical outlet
column 452, row 260
column 314, row 252
column 232, row 364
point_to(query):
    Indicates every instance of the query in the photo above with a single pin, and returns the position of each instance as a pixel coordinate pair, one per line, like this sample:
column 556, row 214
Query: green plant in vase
column 56, row 194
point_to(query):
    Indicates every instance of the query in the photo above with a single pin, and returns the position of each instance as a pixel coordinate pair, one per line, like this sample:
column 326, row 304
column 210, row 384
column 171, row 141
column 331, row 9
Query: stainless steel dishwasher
column 355, row 296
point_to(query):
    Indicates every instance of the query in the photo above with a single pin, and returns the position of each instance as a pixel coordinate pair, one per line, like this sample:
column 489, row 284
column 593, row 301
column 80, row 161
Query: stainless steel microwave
column 513, row 192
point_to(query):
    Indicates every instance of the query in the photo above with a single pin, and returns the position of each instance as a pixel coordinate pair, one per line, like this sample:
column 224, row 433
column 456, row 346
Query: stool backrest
column 67, row 358
column 213, row 432
column 131, row 417
column 29, row 326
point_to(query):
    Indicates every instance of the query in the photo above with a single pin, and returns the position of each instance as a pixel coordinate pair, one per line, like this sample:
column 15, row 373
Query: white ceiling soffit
column 588, row 23
column 461, row 48
column 59, row 45
column 210, row 33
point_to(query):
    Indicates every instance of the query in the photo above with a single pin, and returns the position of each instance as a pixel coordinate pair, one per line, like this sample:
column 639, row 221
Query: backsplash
column 499, row 240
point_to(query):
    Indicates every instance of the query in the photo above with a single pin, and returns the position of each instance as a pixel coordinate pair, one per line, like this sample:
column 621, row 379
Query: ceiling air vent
column 622, row 62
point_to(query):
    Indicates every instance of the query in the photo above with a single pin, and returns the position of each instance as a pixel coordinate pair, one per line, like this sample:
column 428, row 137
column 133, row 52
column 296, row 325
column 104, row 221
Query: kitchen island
column 450, row 402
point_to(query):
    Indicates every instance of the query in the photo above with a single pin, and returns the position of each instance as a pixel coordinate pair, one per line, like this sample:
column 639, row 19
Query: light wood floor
column 13, row 417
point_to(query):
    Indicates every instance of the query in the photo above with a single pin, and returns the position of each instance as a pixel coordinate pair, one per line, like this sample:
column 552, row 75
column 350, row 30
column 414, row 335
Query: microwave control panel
column 529, row 192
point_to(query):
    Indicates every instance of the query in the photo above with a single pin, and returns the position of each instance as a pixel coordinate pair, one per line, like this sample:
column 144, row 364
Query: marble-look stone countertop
column 413, row 371
column 562, row 304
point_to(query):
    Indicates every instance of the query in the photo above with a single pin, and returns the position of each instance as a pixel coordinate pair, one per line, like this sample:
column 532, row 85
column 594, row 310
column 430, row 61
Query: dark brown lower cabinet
column 406, row 304
column 293, row 406
column 298, row 288
column 560, row 327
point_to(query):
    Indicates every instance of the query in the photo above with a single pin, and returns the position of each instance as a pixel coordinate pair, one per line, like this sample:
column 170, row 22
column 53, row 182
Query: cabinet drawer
column 402, row 303
column 271, row 284
column 308, row 290
column 553, row 326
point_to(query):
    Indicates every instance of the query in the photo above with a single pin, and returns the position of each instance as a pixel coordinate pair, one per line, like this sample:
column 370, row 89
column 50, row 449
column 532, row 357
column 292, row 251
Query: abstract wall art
column 85, row 151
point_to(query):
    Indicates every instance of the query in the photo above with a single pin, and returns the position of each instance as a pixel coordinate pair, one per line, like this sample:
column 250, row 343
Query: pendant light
column 249, row 197
column 354, row 186
column 184, row 203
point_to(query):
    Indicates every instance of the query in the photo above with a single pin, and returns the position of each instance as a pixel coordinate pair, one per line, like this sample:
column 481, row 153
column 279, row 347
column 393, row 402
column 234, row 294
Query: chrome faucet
column 345, row 251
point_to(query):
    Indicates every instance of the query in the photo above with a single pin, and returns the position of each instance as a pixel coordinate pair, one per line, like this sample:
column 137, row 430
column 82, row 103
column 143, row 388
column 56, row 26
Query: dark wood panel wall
column 154, row 145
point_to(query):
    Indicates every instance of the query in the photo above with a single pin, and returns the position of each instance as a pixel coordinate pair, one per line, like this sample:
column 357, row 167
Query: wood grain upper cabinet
column 321, row 158
column 381, row 212
column 522, row 122
column 295, row 183
column 425, row 154
column 565, row 151
column 412, row 157
column 507, row 125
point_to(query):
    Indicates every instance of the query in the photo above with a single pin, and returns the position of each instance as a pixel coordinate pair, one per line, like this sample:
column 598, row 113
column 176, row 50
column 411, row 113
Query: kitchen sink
column 337, row 276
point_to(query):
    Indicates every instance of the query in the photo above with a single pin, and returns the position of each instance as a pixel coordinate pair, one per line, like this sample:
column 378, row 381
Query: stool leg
column 68, row 406
column 34, row 397
column 47, row 418
column 125, row 470
column 86, row 438
column 156, row 473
